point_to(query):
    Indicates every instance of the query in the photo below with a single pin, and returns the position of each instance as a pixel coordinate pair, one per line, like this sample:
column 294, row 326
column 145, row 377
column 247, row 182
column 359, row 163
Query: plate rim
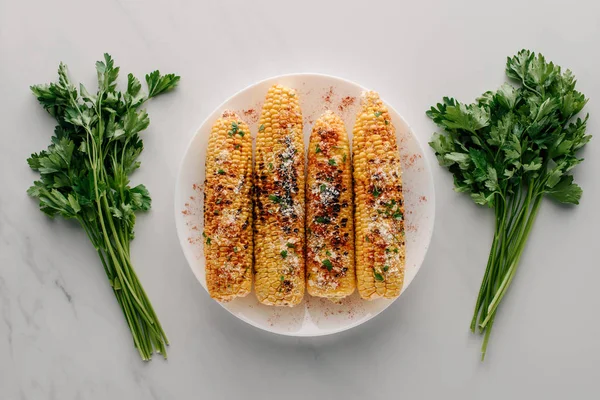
column 178, row 183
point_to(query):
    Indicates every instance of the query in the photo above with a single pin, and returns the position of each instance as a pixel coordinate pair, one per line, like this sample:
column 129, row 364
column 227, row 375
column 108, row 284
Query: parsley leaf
column 565, row 191
column 158, row 83
column 275, row 199
column 327, row 264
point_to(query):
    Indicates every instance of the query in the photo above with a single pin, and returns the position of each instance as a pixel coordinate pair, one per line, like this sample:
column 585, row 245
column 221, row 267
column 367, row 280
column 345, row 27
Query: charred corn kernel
column 329, row 220
column 378, row 200
column 228, row 209
column 279, row 205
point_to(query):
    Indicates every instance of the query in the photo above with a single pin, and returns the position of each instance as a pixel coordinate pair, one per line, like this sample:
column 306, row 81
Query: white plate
column 317, row 93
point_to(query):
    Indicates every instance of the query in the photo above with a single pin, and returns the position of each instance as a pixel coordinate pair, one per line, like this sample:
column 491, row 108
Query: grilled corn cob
column 379, row 204
column 228, row 209
column 330, row 233
column 279, row 207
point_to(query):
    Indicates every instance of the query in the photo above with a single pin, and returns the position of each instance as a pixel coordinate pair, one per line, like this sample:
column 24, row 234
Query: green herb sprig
column 508, row 150
column 84, row 176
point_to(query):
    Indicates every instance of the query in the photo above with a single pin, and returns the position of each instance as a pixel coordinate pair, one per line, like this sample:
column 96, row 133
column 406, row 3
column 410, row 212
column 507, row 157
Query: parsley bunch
column 507, row 150
column 84, row 176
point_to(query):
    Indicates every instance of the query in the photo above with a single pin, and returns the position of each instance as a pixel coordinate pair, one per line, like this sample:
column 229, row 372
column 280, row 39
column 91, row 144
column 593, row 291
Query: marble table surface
column 62, row 335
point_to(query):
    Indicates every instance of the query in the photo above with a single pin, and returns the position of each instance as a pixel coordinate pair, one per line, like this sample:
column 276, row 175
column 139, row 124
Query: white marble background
column 62, row 335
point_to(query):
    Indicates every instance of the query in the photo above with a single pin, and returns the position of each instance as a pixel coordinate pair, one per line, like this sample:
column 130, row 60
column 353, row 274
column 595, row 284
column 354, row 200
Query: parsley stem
column 125, row 272
column 486, row 278
column 514, row 262
column 486, row 337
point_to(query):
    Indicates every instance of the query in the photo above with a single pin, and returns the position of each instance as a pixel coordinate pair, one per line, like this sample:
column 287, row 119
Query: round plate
column 317, row 93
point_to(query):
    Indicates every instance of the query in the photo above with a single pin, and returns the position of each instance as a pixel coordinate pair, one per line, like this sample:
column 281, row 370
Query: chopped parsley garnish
column 367, row 239
column 261, row 128
column 284, row 254
column 397, row 215
column 216, row 212
column 322, row 220
column 241, row 133
column 344, row 158
column 377, row 191
column 378, row 276
column 219, row 200
column 378, row 114
column 387, row 122
column 318, row 150
column 322, row 187
column 332, row 161
column 291, row 245
column 270, row 166
column 390, row 204
column 327, row 264
column 221, row 172
column 385, row 268
column 234, row 129
column 235, row 249
column 275, row 199
column 208, row 240
column 328, row 253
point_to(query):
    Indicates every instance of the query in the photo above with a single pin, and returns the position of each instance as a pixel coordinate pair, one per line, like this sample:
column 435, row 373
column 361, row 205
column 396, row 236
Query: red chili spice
column 327, row 96
column 346, row 102
column 251, row 115
column 409, row 161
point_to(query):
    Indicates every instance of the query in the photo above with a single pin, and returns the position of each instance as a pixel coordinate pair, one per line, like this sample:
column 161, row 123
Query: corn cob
column 379, row 204
column 330, row 233
column 279, row 208
column 228, row 209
